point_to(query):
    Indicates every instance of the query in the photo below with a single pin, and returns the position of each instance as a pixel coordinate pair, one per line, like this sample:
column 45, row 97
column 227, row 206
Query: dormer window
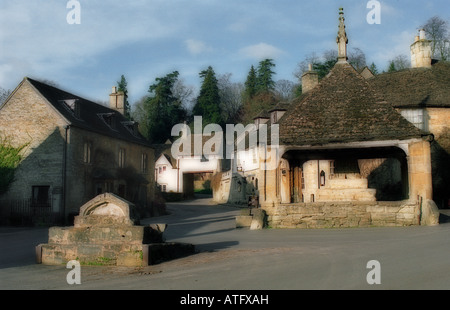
column 132, row 127
column 109, row 119
column 73, row 105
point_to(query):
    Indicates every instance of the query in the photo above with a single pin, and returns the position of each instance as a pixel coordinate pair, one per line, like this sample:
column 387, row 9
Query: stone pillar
column 419, row 170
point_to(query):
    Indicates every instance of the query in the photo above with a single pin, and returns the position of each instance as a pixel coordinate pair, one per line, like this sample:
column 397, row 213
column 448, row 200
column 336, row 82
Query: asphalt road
column 240, row 259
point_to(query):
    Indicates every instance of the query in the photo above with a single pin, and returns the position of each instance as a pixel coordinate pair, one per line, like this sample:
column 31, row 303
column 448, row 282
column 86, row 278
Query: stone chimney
column 309, row 79
column 117, row 100
column 421, row 51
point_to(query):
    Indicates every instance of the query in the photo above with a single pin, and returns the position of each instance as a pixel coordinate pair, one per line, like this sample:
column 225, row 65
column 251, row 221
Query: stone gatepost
column 104, row 233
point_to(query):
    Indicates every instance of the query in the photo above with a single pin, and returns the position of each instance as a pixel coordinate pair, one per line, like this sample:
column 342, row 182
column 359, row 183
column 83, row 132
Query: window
column 322, row 178
column 144, row 163
column 164, row 188
column 121, row 158
column 109, row 119
column 331, row 168
column 87, row 149
column 416, row 117
column 41, row 196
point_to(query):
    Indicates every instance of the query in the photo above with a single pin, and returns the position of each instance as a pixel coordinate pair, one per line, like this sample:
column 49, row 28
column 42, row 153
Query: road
column 241, row 259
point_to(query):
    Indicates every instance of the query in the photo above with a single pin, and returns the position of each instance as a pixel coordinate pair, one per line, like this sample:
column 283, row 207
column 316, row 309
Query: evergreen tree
column 122, row 86
column 250, row 84
column 391, row 67
column 163, row 109
column 265, row 82
column 373, row 68
column 208, row 101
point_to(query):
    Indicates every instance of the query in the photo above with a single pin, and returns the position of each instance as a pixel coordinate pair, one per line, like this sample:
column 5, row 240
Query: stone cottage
column 346, row 156
column 76, row 150
column 422, row 95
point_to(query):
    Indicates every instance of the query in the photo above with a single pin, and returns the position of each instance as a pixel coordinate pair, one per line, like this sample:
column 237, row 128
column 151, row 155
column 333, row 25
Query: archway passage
column 351, row 174
column 197, row 184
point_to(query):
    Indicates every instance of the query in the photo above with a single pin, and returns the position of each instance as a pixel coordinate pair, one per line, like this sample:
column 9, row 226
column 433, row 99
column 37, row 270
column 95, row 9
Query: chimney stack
column 421, row 51
column 117, row 100
column 309, row 79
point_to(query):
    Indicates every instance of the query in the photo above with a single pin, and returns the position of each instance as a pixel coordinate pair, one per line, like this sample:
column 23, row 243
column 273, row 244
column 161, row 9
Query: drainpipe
column 64, row 174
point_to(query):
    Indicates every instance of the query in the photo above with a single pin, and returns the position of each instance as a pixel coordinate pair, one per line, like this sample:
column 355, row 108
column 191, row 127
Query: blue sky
column 146, row 39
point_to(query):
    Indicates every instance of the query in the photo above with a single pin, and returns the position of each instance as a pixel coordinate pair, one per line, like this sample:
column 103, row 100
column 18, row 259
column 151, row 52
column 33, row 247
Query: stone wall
column 84, row 179
column 27, row 119
column 343, row 214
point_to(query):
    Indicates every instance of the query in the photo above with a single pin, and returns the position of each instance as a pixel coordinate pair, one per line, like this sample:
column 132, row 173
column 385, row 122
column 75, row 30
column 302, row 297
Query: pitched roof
column 91, row 116
column 343, row 108
column 416, row 87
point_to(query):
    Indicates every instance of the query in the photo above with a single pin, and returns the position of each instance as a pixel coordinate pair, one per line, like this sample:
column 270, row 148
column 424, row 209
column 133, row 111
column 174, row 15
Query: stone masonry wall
column 343, row 214
column 27, row 118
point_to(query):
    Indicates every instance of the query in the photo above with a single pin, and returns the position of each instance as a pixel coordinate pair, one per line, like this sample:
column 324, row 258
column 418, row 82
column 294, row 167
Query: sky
column 147, row 39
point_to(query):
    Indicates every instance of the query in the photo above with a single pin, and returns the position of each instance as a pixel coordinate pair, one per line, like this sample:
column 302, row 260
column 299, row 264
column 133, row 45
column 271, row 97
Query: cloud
column 196, row 47
column 261, row 51
column 37, row 33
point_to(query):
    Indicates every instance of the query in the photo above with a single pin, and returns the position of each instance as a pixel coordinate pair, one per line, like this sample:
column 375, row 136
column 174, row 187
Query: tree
column 285, row 90
column 230, row 98
column 357, row 58
column 122, row 86
column 264, row 80
column 373, row 68
column 323, row 64
column 10, row 158
column 437, row 30
column 4, row 94
column 250, row 84
column 163, row 109
column 399, row 62
column 391, row 67
column 208, row 101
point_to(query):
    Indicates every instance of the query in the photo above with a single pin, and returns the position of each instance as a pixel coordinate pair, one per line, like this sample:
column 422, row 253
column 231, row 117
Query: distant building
column 77, row 149
column 178, row 174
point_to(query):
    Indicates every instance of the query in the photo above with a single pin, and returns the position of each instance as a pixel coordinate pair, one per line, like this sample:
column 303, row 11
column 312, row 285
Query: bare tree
column 357, row 58
column 302, row 67
column 399, row 62
column 184, row 93
column 437, row 30
column 230, row 97
column 285, row 89
column 4, row 94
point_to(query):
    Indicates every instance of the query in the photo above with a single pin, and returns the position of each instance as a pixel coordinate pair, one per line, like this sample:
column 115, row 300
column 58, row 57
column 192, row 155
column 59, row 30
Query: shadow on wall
column 387, row 180
column 440, row 165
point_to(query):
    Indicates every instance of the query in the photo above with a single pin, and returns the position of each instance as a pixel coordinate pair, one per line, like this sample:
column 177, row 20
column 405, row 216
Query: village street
column 235, row 259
